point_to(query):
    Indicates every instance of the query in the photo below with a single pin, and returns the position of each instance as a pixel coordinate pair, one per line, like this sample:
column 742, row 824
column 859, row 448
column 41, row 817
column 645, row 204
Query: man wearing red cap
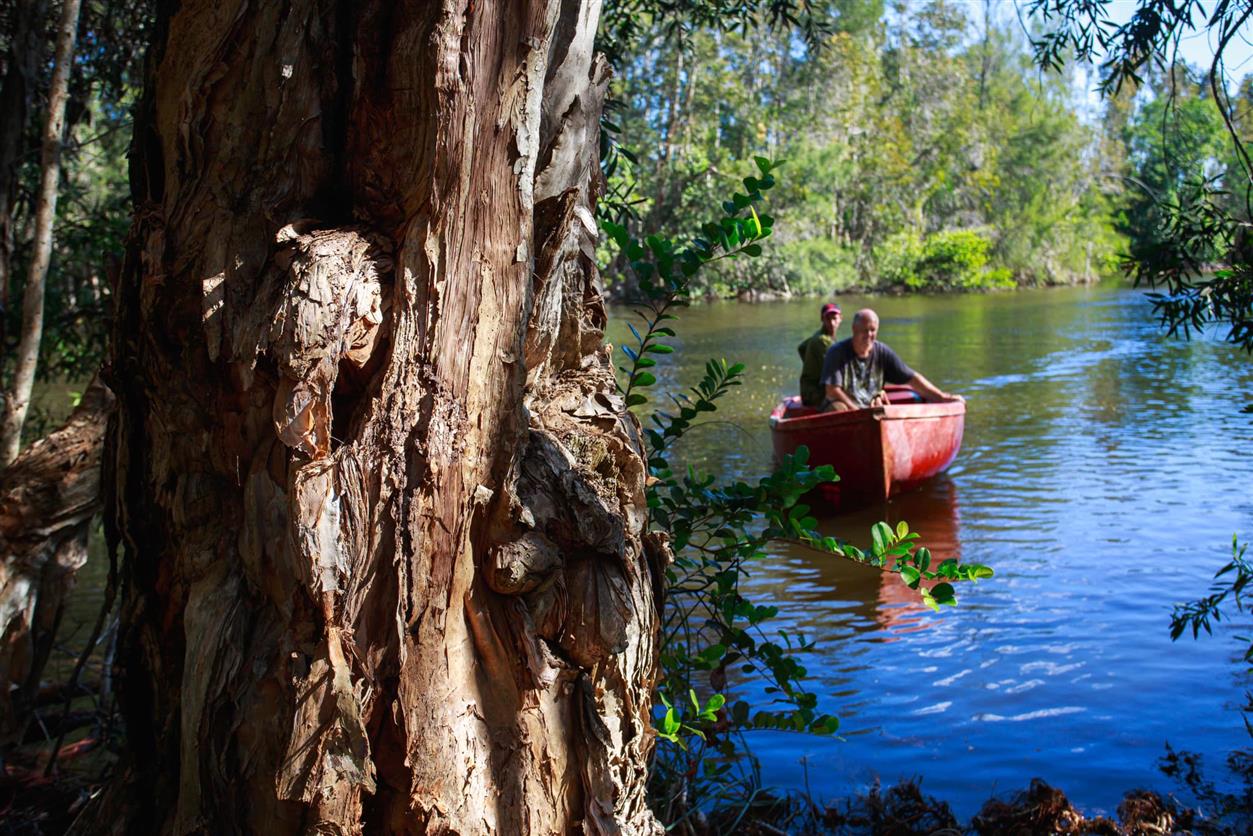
column 813, row 351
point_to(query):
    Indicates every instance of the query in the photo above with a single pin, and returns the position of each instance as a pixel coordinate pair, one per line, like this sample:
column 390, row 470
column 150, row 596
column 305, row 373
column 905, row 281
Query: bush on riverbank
column 949, row 260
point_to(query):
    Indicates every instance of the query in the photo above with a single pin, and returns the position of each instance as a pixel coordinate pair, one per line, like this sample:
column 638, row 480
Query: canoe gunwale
column 895, row 412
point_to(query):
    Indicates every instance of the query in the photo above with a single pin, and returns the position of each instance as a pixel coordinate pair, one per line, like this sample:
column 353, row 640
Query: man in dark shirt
column 854, row 370
column 813, row 351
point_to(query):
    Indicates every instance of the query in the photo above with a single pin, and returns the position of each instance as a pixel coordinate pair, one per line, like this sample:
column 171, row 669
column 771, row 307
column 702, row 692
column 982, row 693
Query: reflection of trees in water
column 860, row 599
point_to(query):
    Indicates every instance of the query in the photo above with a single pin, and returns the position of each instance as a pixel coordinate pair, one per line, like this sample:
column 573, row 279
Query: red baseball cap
column 830, row 308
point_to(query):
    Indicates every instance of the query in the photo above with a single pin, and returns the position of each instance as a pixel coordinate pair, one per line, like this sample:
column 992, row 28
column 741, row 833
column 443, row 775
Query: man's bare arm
column 930, row 391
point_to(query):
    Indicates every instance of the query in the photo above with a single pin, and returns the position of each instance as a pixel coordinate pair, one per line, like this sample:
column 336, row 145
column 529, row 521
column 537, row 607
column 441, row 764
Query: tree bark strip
column 17, row 399
column 382, row 512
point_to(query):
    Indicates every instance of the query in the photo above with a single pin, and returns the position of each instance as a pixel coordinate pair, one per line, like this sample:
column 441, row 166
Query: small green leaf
column 944, row 594
column 880, row 538
column 826, row 724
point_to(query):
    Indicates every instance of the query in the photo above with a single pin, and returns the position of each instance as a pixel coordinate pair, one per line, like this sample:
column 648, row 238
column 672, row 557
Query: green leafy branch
column 896, row 551
column 663, row 270
column 718, row 380
column 671, row 726
column 710, row 626
column 1201, row 614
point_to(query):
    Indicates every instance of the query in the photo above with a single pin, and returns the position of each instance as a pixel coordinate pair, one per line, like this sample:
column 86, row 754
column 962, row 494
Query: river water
column 1103, row 473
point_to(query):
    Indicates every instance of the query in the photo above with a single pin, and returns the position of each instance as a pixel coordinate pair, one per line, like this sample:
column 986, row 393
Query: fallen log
column 48, row 497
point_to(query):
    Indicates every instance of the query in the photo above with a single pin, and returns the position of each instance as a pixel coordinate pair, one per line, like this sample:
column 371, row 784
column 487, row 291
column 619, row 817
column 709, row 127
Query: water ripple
column 1102, row 476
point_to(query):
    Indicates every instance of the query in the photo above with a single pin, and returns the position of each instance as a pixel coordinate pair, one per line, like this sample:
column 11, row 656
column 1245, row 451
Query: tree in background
column 896, row 127
column 1175, row 139
column 22, row 49
column 92, row 199
column 17, row 397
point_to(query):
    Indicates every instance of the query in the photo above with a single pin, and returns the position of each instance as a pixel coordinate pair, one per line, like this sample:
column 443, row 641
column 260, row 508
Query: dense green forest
column 925, row 150
column 93, row 210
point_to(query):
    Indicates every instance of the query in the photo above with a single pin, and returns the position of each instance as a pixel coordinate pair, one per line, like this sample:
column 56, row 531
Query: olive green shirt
column 813, row 351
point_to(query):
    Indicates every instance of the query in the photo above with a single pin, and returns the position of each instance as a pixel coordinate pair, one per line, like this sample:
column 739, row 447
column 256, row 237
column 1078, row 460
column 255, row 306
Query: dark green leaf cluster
column 1199, row 232
column 1188, row 224
column 711, row 629
column 1230, row 582
column 1086, row 29
column 618, row 203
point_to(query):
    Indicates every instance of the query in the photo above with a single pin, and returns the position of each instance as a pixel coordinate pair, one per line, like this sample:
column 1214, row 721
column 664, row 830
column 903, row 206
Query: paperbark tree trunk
column 382, row 512
column 17, row 399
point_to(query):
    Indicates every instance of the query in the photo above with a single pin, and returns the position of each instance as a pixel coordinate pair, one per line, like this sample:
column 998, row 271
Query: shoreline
column 757, row 297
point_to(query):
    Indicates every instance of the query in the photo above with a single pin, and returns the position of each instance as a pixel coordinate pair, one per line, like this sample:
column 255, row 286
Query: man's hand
column 880, row 399
column 839, row 400
column 930, row 392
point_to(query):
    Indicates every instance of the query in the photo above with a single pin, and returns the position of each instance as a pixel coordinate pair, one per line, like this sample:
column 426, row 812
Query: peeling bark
column 382, row 512
column 48, row 498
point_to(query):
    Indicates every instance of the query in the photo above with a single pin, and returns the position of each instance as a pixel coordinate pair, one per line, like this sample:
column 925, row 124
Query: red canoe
column 877, row 452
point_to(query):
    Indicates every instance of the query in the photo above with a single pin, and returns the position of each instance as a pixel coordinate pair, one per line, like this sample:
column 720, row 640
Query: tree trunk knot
column 331, row 291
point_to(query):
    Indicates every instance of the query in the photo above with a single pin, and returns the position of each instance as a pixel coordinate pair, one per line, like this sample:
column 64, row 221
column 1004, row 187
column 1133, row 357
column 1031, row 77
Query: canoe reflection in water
column 890, row 605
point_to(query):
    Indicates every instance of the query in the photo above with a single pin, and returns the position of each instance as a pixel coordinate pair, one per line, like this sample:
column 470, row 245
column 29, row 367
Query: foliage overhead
column 1190, row 224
